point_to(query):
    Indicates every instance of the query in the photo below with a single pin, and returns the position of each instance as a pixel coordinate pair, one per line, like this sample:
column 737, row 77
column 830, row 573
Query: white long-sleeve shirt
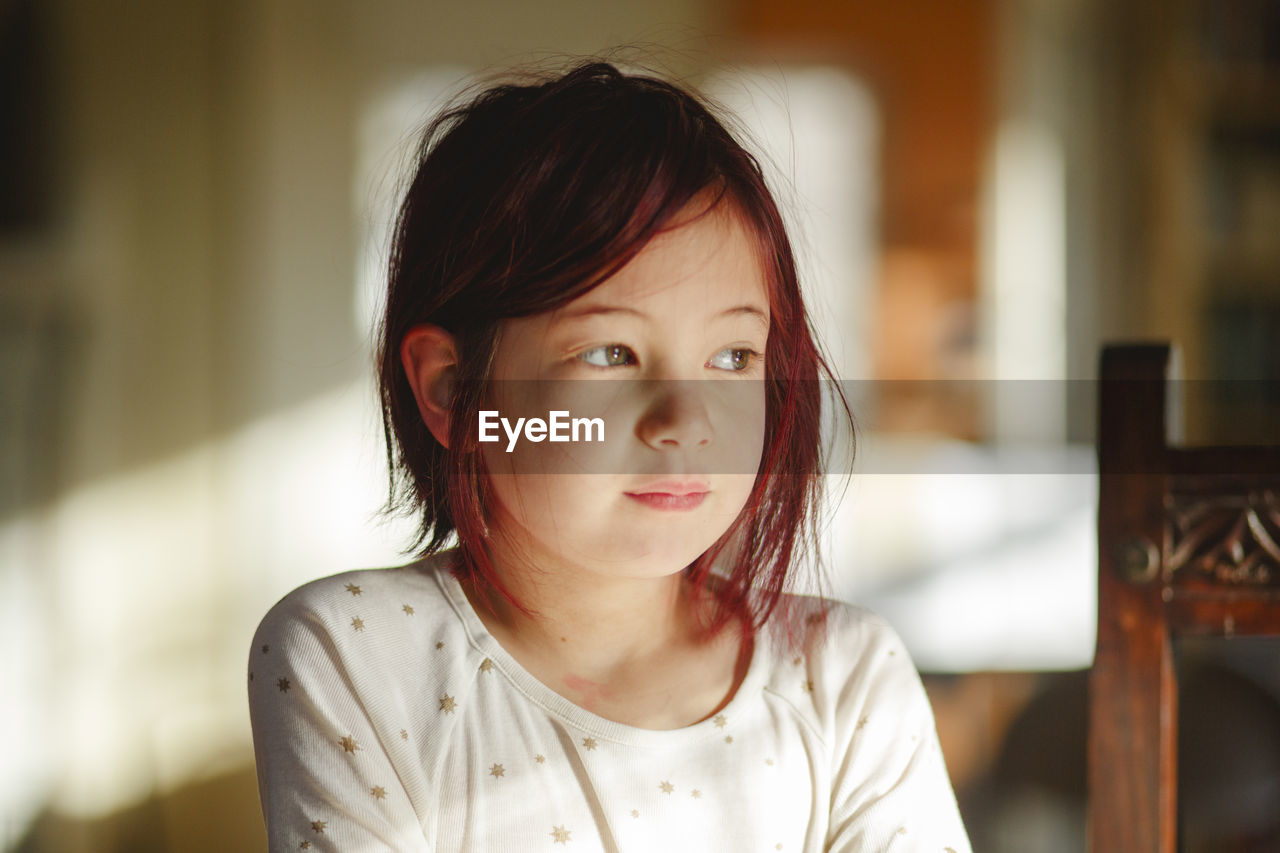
column 386, row 717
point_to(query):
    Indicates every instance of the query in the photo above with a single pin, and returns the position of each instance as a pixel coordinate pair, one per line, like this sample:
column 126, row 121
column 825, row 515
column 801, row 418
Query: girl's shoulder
column 361, row 599
column 368, row 621
column 831, row 629
column 852, row 682
column 837, row 662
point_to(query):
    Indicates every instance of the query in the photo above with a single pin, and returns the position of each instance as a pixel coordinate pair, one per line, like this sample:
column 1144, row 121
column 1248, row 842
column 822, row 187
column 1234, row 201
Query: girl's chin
column 638, row 563
column 655, row 545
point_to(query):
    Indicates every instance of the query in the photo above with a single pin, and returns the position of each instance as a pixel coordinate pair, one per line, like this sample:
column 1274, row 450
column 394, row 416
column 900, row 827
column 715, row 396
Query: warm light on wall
column 150, row 585
column 818, row 129
column 1025, row 279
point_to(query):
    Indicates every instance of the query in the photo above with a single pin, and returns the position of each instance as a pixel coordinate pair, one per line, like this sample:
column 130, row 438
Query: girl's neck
column 594, row 624
column 632, row 650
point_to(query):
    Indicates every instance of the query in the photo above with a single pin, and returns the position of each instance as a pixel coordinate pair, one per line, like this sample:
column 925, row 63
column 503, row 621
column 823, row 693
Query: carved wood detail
column 1232, row 539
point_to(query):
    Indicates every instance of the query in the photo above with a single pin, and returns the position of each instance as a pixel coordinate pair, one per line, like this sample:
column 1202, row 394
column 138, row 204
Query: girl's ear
column 430, row 361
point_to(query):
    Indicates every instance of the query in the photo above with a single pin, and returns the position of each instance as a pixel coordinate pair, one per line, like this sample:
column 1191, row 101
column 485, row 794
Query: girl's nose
column 677, row 417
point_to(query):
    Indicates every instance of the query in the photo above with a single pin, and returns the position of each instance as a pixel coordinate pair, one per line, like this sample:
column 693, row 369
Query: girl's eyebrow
column 601, row 310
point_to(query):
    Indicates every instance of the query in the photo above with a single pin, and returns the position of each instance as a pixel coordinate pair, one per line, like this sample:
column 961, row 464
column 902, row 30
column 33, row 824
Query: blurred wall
column 207, row 195
column 932, row 71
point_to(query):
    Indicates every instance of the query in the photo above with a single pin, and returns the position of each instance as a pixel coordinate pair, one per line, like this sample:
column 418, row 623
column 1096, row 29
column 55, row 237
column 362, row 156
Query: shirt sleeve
column 326, row 781
column 890, row 790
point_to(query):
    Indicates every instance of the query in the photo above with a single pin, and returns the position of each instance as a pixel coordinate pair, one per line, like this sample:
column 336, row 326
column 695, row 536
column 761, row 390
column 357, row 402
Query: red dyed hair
column 528, row 196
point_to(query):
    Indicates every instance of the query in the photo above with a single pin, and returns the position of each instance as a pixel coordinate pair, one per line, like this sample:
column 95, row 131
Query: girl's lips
column 673, row 486
column 663, row 501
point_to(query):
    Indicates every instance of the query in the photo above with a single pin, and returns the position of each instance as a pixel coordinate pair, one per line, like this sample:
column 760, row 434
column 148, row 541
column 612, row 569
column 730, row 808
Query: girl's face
column 669, row 355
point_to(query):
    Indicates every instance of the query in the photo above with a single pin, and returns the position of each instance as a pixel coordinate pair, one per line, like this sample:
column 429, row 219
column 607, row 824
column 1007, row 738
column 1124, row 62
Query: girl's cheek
column 743, row 404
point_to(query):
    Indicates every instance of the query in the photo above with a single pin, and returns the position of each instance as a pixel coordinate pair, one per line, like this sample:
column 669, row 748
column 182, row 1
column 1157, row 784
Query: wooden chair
column 1188, row 545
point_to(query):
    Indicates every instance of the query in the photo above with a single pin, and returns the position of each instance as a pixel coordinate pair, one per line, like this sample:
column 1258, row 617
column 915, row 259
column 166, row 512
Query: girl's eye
column 734, row 359
column 739, row 359
column 613, row 355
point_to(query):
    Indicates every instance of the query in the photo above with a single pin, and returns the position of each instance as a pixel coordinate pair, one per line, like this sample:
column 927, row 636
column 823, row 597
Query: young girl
column 606, row 660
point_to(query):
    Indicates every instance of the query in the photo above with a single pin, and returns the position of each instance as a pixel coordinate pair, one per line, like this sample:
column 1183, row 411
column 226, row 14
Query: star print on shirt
column 560, row 834
column 541, row 759
column 447, row 704
column 348, row 744
column 378, row 792
column 696, row 794
column 440, row 645
column 408, row 610
column 357, row 623
column 720, row 721
column 486, row 665
column 666, row 787
column 283, row 684
column 318, row 826
column 404, row 734
column 306, row 845
column 588, row 743
column 353, row 589
column 497, row 771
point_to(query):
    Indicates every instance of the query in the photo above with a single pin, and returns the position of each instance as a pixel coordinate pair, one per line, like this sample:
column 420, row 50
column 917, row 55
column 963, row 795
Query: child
column 606, row 660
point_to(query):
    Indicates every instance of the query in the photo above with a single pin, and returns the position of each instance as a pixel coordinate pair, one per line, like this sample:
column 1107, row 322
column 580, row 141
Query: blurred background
column 194, row 208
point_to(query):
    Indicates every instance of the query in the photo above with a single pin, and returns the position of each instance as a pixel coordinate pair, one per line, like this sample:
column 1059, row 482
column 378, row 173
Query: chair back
column 1188, row 545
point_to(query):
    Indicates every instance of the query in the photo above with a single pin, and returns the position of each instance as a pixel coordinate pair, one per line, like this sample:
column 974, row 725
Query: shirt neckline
column 574, row 715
